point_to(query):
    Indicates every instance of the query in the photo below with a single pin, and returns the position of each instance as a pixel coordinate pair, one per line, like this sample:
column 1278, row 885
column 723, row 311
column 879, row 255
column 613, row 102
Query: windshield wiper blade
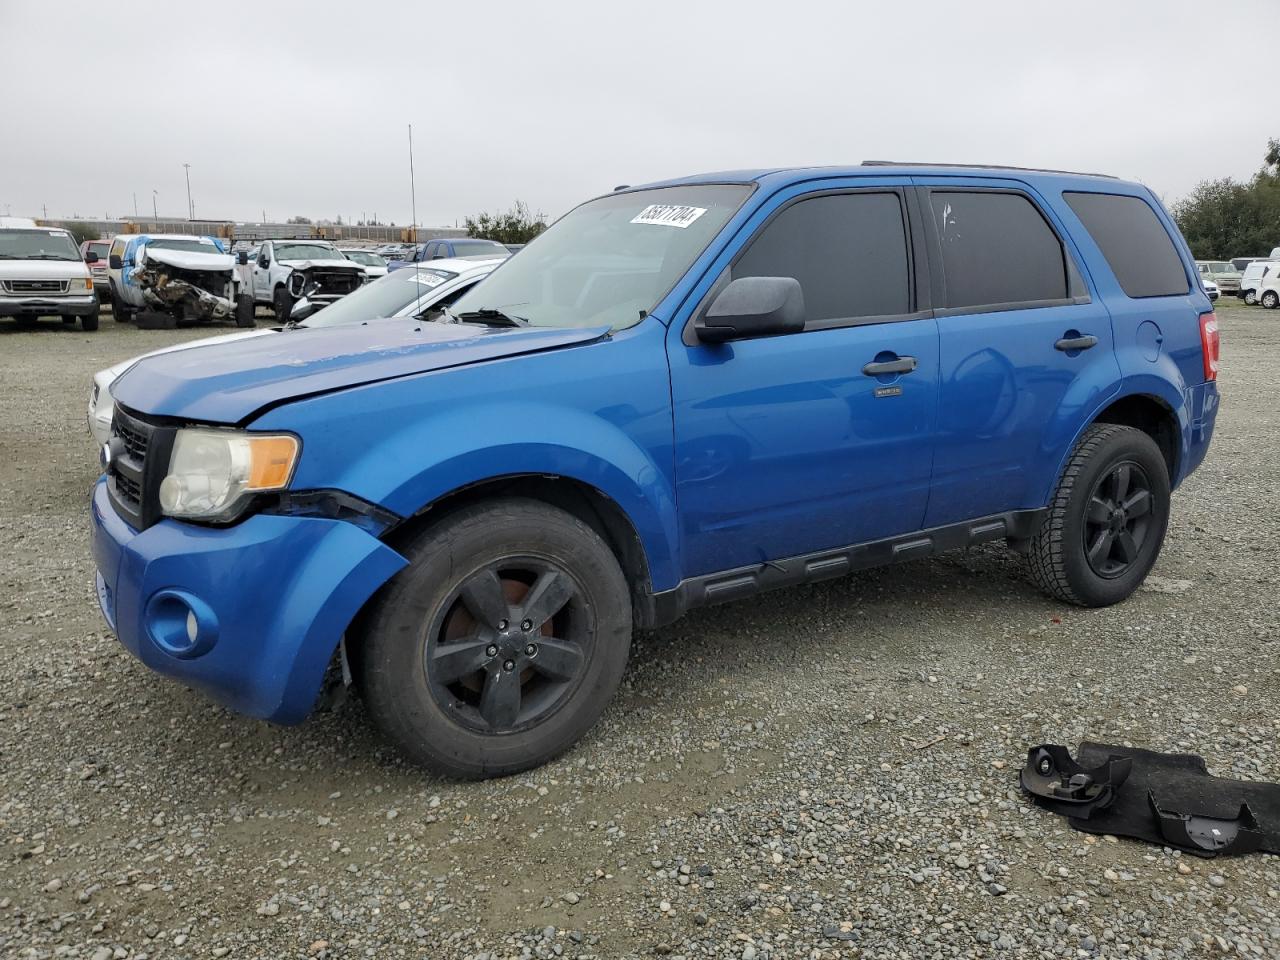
column 47, row 256
column 492, row 317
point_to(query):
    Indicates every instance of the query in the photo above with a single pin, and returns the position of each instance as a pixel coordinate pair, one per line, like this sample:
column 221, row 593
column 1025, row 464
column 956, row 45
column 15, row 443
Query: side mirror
column 264, row 261
column 242, row 257
column 113, row 261
column 90, row 257
column 753, row 307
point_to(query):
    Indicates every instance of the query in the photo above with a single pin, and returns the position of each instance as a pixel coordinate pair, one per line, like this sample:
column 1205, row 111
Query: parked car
column 42, row 274
column 423, row 294
column 1252, row 278
column 1210, row 287
column 1269, row 291
column 98, row 267
column 681, row 394
column 1223, row 273
column 374, row 265
column 173, row 277
column 441, row 249
column 285, row 271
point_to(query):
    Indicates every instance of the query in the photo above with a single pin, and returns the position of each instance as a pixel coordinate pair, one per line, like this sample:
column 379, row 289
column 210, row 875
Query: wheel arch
column 1154, row 417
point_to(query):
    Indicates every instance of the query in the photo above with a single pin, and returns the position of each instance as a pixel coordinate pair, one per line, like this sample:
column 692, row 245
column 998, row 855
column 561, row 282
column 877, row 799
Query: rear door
column 1025, row 346
column 792, row 444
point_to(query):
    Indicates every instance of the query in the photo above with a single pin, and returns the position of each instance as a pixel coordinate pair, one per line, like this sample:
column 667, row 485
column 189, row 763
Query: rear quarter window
column 1137, row 247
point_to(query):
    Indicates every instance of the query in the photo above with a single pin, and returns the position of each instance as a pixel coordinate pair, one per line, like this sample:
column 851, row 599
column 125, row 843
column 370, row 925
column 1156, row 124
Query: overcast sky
column 303, row 108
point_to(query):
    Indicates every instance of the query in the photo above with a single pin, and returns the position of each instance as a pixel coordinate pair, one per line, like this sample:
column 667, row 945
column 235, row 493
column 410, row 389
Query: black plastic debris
column 1169, row 799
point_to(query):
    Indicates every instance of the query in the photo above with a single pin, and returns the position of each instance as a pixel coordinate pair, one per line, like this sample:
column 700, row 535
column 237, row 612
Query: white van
column 42, row 275
column 1252, row 279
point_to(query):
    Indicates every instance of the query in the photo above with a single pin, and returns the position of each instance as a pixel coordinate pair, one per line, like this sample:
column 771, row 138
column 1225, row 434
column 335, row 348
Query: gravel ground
column 827, row 771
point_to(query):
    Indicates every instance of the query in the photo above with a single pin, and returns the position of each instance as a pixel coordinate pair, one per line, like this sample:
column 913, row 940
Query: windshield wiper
column 491, row 317
column 47, row 256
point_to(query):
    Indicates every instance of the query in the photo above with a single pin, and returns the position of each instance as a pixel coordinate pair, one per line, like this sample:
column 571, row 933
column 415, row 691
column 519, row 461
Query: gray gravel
column 823, row 772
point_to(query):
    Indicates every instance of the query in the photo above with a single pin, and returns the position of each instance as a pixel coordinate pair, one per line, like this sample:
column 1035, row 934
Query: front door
column 792, row 444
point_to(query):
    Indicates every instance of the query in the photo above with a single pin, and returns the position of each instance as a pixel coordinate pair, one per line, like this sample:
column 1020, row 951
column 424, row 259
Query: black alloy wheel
column 1117, row 519
column 511, row 645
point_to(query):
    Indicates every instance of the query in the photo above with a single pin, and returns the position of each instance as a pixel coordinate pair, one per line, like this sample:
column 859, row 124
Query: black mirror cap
column 753, row 307
column 90, row 257
column 242, row 257
column 113, row 261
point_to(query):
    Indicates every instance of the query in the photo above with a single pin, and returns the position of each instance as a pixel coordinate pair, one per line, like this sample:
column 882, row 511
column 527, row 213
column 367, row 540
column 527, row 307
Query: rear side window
column 997, row 248
column 849, row 252
column 1137, row 246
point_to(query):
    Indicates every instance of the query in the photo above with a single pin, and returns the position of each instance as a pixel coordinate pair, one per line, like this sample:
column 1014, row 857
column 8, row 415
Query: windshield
column 384, row 297
column 198, row 246
column 37, row 245
column 608, row 260
column 306, row 251
column 1222, row 268
column 368, row 258
column 100, row 247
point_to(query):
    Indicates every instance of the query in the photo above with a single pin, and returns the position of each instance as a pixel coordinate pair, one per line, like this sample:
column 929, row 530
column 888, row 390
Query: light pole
column 191, row 210
column 154, row 215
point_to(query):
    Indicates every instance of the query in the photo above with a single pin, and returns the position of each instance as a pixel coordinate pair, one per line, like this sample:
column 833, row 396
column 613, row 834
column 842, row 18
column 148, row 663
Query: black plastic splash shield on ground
column 1171, row 799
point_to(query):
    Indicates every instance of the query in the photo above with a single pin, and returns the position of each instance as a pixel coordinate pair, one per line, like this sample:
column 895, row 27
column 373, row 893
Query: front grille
column 139, row 460
column 36, row 286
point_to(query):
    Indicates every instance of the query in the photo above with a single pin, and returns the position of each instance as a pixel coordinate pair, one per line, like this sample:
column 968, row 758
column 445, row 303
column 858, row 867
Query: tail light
column 1209, row 343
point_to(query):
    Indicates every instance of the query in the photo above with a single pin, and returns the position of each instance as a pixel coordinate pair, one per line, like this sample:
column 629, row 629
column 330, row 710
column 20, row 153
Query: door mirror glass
column 242, row 257
column 113, row 261
column 753, row 307
column 90, row 257
column 264, row 261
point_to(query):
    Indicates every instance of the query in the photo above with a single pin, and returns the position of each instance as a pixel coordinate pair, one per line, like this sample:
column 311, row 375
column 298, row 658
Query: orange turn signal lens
column 271, row 461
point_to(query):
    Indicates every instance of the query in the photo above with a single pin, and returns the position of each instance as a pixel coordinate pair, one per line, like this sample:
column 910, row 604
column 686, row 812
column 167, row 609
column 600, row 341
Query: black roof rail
column 982, row 166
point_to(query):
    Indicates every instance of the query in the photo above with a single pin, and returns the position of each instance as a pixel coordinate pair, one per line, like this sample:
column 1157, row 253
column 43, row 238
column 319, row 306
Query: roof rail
column 981, row 166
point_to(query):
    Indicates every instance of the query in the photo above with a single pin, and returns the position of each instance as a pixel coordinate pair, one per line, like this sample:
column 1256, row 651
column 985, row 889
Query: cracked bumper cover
column 275, row 594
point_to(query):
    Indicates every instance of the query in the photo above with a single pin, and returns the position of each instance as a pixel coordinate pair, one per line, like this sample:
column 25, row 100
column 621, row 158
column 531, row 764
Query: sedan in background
column 374, row 265
column 461, row 247
column 422, row 293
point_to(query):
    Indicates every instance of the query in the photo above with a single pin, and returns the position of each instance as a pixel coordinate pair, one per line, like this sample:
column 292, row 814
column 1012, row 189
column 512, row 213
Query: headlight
column 212, row 473
column 297, row 282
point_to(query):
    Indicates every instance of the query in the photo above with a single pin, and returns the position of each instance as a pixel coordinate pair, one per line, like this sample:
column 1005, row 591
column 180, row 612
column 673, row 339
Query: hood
column 114, row 371
column 229, row 382
column 43, row 269
column 190, row 259
column 340, row 264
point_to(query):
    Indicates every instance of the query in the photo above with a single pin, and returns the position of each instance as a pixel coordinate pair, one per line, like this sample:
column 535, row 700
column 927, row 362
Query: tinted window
column 997, row 248
column 849, row 252
column 1136, row 245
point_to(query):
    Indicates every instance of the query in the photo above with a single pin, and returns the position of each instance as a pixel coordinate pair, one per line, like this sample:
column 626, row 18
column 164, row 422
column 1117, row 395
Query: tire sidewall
column 394, row 674
column 1130, row 445
column 281, row 303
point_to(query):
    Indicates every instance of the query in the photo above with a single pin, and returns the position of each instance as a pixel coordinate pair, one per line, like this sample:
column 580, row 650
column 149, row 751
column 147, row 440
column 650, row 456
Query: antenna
column 413, row 202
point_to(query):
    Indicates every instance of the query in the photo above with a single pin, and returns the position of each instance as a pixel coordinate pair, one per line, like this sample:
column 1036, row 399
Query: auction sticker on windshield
column 668, row 215
column 429, row 279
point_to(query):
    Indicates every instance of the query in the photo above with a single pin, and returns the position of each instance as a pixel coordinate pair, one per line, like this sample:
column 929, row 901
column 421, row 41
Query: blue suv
column 680, row 394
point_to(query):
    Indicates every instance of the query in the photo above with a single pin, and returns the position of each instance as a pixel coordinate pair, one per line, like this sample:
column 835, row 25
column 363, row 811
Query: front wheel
column 1107, row 519
column 281, row 304
column 501, row 643
column 88, row 322
column 1250, row 297
column 1271, row 299
column 245, row 310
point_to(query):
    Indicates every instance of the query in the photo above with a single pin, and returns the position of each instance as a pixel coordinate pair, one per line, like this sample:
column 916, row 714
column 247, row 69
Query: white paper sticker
column 668, row 215
column 428, row 279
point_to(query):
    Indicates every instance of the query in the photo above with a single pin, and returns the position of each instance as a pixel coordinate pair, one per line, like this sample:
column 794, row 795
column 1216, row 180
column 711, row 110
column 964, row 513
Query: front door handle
column 1083, row 342
column 900, row 365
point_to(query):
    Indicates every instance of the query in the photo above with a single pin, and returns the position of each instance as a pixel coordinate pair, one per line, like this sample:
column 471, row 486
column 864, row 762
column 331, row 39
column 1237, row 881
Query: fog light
column 181, row 624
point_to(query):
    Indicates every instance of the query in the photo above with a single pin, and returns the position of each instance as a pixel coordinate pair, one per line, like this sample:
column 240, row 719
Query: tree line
column 1228, row 218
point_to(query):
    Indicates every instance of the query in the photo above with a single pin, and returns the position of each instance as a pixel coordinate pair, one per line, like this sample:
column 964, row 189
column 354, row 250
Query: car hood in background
column 191, row 259
column 229, row 382
column 340, row 264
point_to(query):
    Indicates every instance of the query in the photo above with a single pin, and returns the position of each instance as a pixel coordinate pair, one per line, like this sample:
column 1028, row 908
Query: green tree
column 83, row 232
column 517, row 225
column 1226, row 218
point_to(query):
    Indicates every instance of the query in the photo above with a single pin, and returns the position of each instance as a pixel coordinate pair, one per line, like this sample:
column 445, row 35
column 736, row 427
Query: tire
column 1271, row 299
column 121, row 313
column 1250, row 297
column 492, row 552
column 281, row 304
column 245, row 310
column 1060, row 560
column 89, row 322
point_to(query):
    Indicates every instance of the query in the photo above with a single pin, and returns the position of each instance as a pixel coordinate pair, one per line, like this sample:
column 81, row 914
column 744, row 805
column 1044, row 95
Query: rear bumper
column 1202, row 403
column 49, row 306
column 267, row 601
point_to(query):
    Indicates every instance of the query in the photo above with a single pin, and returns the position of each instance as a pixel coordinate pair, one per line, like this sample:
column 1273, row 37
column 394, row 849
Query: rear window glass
column 1137, row 246
column 849, row 252
column 997, row 249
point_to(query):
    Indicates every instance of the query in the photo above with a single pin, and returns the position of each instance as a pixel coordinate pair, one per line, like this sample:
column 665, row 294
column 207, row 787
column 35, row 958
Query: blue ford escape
column 680, row 394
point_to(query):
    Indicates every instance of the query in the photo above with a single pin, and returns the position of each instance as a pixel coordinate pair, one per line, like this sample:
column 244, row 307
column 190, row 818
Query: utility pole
column 154, row 215
column 135, row 204
column 191, row 210
column 44, row 208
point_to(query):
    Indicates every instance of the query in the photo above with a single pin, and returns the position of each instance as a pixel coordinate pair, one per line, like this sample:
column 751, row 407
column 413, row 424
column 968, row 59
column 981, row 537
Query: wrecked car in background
column 286, row 271
column 181, row 279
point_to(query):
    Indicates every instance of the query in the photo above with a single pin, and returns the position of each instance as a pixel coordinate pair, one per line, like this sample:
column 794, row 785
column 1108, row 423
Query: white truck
column 285, row 271
column 168, row 279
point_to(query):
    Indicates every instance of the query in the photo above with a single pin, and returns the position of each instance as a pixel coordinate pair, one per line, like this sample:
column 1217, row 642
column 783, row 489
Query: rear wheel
column 1271, row 299
column 281, row 304
column 502, row 642
column 1250, row 297
column 1107, row 519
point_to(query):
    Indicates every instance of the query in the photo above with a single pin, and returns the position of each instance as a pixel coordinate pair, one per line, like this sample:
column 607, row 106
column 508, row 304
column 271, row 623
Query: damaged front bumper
column 187, row 297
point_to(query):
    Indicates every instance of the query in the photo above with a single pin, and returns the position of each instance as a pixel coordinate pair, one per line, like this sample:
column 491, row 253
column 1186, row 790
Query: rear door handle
column 1076, row 343
column 901, row 365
